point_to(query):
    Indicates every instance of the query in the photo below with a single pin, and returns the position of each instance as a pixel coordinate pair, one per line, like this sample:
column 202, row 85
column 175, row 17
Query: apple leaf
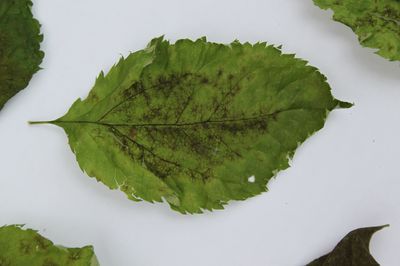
column 20, row 54
column 352, row 250
column 376, row 23
column 20, row 246
column 197, row 123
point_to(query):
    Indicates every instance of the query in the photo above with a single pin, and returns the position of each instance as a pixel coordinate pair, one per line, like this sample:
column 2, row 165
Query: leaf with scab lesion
column 19, row 246
column 20, row 54
column 352, row 250
column 190, row 122
column 376, row 23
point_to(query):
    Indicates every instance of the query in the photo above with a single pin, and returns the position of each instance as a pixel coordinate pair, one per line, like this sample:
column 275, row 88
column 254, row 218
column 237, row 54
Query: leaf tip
column 342, row 104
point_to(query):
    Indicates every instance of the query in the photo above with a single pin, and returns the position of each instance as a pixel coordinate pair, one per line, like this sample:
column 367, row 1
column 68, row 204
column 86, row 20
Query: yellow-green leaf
column 197, row 123
column 376, row 22
column 20, row 247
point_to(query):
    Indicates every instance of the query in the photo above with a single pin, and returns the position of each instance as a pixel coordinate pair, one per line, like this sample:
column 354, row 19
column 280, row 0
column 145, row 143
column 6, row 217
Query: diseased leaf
column 352, row 250
column 20, row 54
column 376, row 22
column 20, row 247
column 197, row 123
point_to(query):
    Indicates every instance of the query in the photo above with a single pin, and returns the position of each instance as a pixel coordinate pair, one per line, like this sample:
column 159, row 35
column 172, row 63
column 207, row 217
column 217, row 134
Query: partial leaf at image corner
column 352, row 250
column 197, row 123
column 376, row 23
column 20, row 54
column 20, row 247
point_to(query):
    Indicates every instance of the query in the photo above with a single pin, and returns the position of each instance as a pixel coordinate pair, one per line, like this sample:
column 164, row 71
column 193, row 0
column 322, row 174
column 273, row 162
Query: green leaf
column 352, row 250
column 20, row 54
column 376, row 23
column 19, row 247
column 197, row 123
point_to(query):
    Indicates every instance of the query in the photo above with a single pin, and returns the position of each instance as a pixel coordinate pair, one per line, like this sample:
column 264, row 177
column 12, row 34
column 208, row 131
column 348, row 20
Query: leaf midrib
column 172, row 125
column 151, row 125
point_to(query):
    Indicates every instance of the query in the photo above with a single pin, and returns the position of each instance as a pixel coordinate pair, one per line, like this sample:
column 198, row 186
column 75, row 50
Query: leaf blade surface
column 352, row 250
column 20, row 246
column 190, row 122
column 376, row 23
column 20, row 54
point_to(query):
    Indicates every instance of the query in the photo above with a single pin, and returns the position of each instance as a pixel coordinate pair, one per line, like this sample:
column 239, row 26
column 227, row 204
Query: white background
column 344, row 177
